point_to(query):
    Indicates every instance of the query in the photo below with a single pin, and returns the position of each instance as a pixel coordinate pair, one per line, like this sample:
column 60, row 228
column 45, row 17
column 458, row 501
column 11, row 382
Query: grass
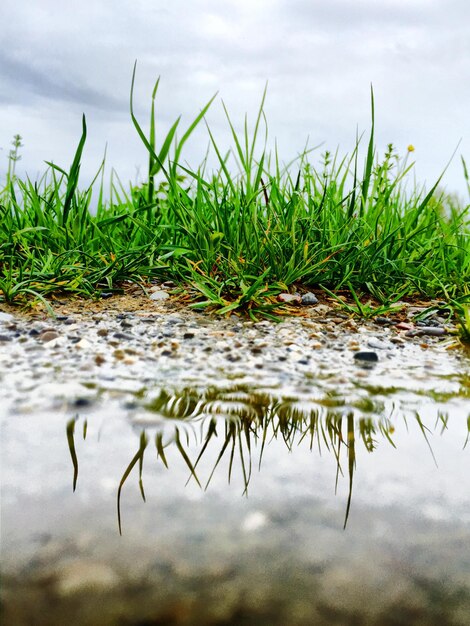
column 234, row 241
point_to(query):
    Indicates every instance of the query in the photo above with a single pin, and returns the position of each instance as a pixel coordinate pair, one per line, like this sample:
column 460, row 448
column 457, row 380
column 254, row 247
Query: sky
column 319, row 58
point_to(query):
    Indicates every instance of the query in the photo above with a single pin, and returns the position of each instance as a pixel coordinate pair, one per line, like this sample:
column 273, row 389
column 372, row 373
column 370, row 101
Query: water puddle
column 285, row 484
column 233, row 427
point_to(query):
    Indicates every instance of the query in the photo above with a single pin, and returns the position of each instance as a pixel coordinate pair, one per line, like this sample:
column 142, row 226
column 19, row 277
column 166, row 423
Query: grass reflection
column 237, row 425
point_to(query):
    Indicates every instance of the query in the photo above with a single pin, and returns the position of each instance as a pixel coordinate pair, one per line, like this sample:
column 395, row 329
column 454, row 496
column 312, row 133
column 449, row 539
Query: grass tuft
column 233, row 242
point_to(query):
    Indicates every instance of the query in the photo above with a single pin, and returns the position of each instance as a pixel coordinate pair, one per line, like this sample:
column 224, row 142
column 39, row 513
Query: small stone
column 322, row 309
column 377, row 344
column 433, row 331
column 289, row 298
column 4, row 338
column 364, row 355
column 106, row 294
column 48, row 335
column 383, row 321
column 102, row 332
column 126, row 336
column 5, row 317
column 188, row 335
column 159, row 295
column 83, row 344
column 404, row 326
column 309, row 298
column 99, row 359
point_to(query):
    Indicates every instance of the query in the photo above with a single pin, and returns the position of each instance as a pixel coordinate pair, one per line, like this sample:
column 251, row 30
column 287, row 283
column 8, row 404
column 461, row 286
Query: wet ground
column 160, row 466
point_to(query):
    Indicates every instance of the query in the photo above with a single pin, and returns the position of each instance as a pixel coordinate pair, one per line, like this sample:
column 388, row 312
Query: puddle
column 286, row 484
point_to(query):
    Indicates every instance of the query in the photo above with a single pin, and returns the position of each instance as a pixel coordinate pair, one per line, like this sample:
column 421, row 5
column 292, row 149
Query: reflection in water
column 240, row 424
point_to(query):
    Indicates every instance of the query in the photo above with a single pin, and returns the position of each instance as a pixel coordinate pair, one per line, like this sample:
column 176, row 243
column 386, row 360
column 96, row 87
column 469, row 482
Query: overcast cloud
column 58, row 60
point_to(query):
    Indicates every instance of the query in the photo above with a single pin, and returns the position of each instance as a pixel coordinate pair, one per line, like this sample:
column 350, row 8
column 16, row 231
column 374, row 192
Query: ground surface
column 126, row 365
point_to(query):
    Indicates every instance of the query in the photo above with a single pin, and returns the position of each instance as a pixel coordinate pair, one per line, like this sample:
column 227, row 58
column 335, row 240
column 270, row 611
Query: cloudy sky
column 59, row 59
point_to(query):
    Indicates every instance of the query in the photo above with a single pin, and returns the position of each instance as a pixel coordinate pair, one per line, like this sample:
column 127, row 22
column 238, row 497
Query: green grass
column 233, row 241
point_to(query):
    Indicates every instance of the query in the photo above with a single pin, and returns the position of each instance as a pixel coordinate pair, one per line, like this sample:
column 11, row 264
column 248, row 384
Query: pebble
column 404, row 326
column 309, row 298
column 433, row 331
column 428, row 322
column 48, row 335
column 377, row 344
column 289, row 298
column 322, row 309
column 159, row 295
column 83, row 344
column 337, row 320
column 364, row 355
column 384, row 321
column 125, row 336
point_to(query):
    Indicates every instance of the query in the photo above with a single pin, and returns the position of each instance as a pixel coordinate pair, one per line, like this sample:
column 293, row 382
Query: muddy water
column 173, row 469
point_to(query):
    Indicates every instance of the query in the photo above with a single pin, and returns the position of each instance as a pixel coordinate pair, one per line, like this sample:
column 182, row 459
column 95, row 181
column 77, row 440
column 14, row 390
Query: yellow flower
column 411, row 148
